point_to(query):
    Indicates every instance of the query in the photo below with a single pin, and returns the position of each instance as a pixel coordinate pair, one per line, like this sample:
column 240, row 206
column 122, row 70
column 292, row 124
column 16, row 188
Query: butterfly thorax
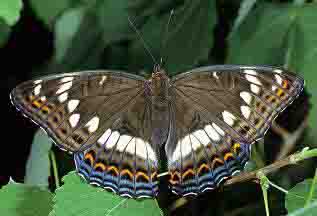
column 159, row 83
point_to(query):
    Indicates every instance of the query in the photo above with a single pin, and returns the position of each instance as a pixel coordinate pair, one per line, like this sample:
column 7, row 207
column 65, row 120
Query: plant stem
column 264, row 191
column 290, row 160
column 55, row 171
column 311, row 191
column 307, row 154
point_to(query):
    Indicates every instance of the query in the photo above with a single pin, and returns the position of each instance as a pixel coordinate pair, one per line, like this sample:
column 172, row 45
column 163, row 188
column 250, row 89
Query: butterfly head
column 159, row 81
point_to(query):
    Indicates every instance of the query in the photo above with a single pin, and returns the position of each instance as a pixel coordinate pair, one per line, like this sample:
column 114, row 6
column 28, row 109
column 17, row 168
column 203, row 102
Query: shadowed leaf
column 76, row 197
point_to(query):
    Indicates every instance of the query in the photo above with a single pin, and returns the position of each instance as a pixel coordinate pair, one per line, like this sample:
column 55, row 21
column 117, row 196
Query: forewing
column 219, row 111
column 104, row 118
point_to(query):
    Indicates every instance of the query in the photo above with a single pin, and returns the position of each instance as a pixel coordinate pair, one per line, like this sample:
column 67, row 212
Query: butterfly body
column 120, row 126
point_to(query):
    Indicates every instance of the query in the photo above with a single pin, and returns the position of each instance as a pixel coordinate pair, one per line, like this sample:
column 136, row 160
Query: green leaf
column 78, row 40
column 295, row 199
column 260, row 38
column 65, row 30
column 113, row 18
column 38, row 164
column 310, row 210
column 23, row 200
column 188, row 41
column 48, row 11
column 304, row 54
column 10, row 11
column 4, row 33
column 76, row 197
column 83, row 33
column 244, row 10
column 282, row 35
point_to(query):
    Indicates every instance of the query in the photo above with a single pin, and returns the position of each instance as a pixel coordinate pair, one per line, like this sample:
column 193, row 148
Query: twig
column 311, row 191
column 289, row 139
column 290, row 160
column 55, row 171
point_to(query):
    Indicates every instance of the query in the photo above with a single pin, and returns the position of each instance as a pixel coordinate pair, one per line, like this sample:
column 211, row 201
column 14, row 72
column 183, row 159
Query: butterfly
column 120, row 127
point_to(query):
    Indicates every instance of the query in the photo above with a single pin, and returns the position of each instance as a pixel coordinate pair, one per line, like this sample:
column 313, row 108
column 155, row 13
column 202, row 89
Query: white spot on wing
column 63, row 97
column 218, row 129
column 202, row 137
column 74, row 119
column 249, row 71
column 278, row 71
column 43, row 98
column 66, row 79
column 37, row 82
column 246, row 96
column 103, row 79
column 254, row 88
column 140, row 148
column 177, row 152
column 253, row 79
column 131, row 147
column 123, row 142
column 64, row 87
column 214, row 74
column 72, row 104
column 112, row 140
column 246, row 111
column 104, row 137
column 228, row 117
column 186, row 146
column 93, row 124
column 150, row 151
column 212, row 133
column 194, row 142
column 274, row 87
column 279, row 79
column 37, row 89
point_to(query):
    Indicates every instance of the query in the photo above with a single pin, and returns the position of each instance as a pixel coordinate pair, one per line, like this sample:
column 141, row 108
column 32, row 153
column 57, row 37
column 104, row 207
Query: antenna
column 165, row 34
column 143, row 41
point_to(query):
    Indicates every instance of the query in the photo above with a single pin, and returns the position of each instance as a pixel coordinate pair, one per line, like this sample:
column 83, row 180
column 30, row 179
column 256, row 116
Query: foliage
column 9, row 15
column 10, row 11
column 91, row 34
column 95, row 201
column 37, row 167
column 23, row 200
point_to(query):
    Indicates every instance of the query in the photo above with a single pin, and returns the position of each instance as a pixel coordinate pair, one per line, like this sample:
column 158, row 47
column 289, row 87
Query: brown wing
column 219, row 112
column 102, row 116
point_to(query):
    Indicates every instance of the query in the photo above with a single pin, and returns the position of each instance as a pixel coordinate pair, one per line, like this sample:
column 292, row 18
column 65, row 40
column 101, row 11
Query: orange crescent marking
column 141, row 174
column 90, row 158
column 236, row 146
column 128, row 172
column 172, row 174
column 189, row 171
column 203, row 166
column 229, row 154
column 114, row 169
column 175, row 173
column 279, row 92
column 173, row 182
column 285, row 84
column 31, row 97
column 216, row 160
column 37, row 103
column 101, row 165
column 45, row 108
